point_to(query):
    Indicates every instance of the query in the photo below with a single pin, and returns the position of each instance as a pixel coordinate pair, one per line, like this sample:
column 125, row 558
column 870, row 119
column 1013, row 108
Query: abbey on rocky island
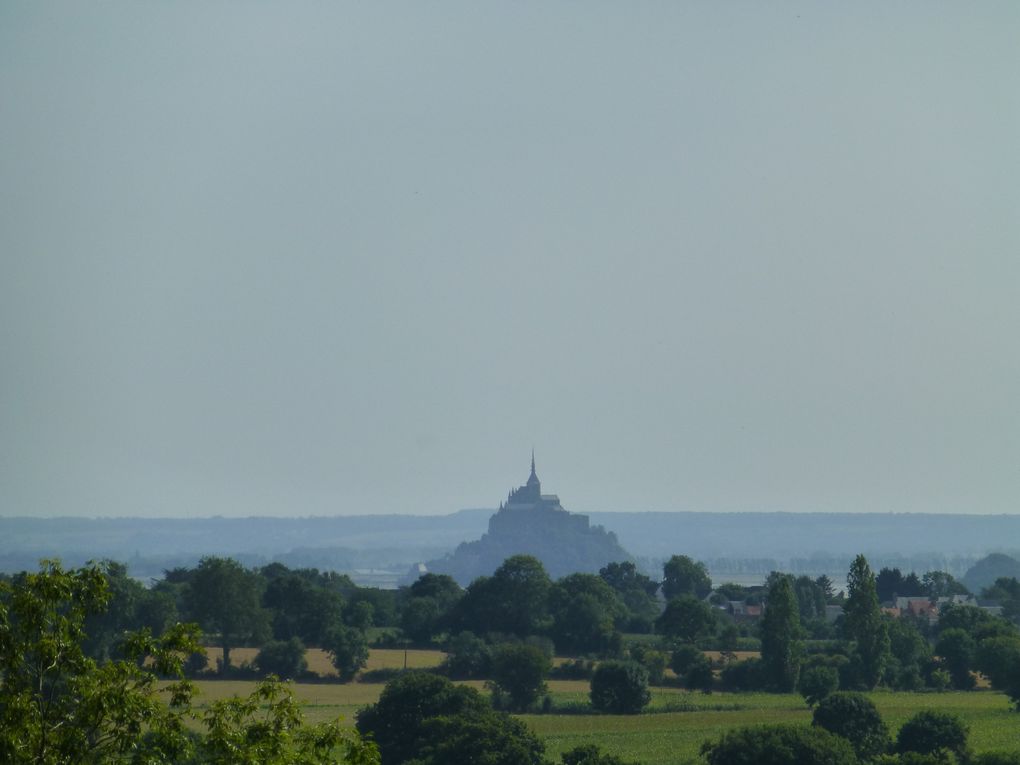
column 532, row 523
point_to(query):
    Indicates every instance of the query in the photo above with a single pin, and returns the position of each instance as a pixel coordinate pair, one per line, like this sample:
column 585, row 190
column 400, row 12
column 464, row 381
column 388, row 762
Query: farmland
column 676, row 723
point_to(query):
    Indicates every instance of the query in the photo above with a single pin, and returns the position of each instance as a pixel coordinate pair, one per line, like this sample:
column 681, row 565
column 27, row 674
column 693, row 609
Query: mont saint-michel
column 533, row 523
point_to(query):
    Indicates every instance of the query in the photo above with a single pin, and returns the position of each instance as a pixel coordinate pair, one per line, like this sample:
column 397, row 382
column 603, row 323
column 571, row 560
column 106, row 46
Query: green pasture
column 677, row 722
column 659, row 737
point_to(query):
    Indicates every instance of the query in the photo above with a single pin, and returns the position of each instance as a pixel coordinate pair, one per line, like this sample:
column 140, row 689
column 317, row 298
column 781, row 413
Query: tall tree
column 863, row 624
column 780, row 637
column 683, row 576
column 225, row 598
column 514, row 600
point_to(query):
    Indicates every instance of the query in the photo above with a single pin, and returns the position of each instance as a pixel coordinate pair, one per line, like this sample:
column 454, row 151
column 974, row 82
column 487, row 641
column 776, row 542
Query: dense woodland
column 620, row 629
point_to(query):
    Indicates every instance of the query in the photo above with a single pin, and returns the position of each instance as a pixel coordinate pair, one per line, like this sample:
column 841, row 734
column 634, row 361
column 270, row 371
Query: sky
column 294, row 259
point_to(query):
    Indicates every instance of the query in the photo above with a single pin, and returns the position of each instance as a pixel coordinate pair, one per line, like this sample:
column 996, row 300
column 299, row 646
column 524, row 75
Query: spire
column 534, row 487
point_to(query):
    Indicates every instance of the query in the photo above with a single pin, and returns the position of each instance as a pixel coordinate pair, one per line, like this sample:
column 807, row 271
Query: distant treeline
column 746, row 544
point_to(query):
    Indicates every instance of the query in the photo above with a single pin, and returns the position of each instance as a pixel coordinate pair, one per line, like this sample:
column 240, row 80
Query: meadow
column 673, row 727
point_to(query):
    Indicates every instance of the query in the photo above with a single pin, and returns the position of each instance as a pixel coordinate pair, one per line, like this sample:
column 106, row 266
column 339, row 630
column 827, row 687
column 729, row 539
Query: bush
column 817, row 683
column 855, row 718
column 933, row 732
column 743, row 676
column 684, row 657
column 620, row 687
column 779, row 745
column 283, row 658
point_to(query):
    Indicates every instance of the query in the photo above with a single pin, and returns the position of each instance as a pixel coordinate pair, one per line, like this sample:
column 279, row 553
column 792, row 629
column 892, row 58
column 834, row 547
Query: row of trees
column 876, row 649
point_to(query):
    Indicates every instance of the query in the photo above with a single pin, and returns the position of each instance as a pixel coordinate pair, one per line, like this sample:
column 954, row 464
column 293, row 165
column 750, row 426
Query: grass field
column 664, row 734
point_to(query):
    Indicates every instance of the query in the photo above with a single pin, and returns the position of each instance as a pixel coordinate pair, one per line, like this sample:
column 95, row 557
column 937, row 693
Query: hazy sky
column 312, row 258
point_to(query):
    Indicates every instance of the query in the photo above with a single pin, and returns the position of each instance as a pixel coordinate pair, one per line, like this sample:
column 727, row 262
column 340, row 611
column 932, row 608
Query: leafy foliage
column 684, row 576
column 779, row 745
column 225, row 599
column 817, row 683
column 855, row 718
column 518, row 674
column 585, row 611
column 348, row 650
column 933, row 732
column 267, row 729
column 589, row 754
column 283, row 658
column 620, row 687
column 426, row 719
column 780, row 637
column 686, row 619
column 864, row 625
column 60, row 707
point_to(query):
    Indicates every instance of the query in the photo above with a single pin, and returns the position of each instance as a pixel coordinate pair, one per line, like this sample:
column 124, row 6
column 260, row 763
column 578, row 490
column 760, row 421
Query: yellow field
column 318, row 660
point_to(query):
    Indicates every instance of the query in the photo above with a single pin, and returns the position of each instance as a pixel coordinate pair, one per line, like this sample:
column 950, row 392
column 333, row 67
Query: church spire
column 533, row 475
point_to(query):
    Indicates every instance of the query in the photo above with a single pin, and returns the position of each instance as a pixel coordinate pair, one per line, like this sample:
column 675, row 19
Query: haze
column 317, row 258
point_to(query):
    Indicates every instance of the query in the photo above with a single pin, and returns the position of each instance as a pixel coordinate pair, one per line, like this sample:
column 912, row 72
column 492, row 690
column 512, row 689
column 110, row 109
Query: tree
column 267, row 728
column 817, row 683
column 105, row 630
column 780, row 638
column 889, row 584
column 301, row 607
column 584, row 612
column 683, row 576
column 427, row 719
column 911, row 654
column 514, row 600
column 620, row 688
column 933, row 732
column 855, row 718
column 57, row 705
column 997, row 658
column 957, row 649
column 940, row 584
column 518, row 673
column 419, row 619
column 590, row 754
column 779, row 745
column 283, row 658
column 348, row 650
column 864, row 625
column 636, row 591
column 490, row 739
column 225, row 599
column 691, row 664
column 442, row 588
column 810, row 598
column 467, row 657
column 686, row 619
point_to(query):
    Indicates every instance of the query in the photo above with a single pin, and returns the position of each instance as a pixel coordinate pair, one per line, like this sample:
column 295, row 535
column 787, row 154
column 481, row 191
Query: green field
column 663, row 735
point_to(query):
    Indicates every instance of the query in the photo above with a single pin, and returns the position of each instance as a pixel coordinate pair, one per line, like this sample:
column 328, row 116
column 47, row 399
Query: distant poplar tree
column 780, row 637
column 863, row 624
